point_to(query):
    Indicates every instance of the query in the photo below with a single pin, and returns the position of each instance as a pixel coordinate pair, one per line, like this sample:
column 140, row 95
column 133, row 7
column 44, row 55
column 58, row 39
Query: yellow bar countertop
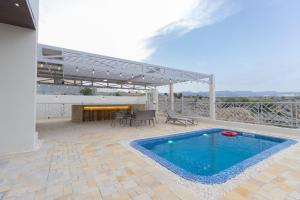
column 91, row 108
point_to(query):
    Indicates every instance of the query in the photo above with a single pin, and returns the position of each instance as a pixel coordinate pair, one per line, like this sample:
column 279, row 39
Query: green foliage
column 86, row 91
column 244, row 99
column 237, row 99
column 178, row 95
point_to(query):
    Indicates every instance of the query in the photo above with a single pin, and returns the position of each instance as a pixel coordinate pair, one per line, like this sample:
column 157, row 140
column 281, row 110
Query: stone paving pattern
column 88, row 161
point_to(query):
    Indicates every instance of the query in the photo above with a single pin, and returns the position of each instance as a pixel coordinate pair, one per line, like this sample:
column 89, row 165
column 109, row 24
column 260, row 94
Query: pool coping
column 220, row 177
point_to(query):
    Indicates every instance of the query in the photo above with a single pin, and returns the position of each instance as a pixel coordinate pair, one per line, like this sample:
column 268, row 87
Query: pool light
column 170, row 141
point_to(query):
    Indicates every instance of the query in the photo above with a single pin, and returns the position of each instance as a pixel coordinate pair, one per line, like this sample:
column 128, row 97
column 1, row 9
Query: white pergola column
column 18, row 69
column 155, row 99
column 212, row 98
column 171, row 96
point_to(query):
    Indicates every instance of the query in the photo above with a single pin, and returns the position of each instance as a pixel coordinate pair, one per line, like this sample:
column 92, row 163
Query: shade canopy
column 63, row 65
column 17, row 13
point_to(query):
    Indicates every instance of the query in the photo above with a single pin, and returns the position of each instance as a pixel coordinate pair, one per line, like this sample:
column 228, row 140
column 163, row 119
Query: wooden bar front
column 82, row 113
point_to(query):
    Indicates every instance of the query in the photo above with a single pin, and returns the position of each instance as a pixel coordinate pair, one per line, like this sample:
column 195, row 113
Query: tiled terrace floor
column 90, row 161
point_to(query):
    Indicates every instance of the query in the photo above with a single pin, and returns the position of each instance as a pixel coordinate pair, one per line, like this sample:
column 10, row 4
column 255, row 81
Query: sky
column 248, row 45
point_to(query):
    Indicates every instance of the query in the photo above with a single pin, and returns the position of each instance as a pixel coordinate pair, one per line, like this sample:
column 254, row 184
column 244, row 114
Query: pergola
column 69, row 67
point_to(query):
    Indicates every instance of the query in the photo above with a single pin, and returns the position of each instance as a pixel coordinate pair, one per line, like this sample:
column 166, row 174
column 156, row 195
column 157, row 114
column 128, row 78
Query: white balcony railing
column 283, row 114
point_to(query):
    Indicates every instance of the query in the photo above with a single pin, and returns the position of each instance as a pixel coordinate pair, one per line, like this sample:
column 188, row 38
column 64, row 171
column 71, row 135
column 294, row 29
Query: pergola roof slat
column 82, row 64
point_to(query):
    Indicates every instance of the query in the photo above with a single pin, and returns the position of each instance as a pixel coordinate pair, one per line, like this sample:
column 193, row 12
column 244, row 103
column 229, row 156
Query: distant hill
column 243, row 93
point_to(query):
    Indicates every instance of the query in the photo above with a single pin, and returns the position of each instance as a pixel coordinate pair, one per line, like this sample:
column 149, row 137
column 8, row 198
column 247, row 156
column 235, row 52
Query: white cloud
column 205, row 12
column 122, row 28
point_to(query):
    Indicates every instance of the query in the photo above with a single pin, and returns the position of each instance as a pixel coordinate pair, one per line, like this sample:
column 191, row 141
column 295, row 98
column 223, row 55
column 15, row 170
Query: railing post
column 258, row 113
column 216, row 107
column 195, row 106
column 233, row 111
column 182, row 104
column 171, row 97
column 166, row 103
column 292, row 115
column 296, row 114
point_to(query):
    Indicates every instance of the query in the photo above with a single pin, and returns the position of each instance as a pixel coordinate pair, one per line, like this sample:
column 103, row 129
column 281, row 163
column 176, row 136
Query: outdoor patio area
column 92, row 160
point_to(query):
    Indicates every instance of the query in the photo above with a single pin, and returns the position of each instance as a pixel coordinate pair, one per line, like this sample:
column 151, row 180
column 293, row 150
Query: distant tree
column 86, row 91
column 244, row 99
column 118, row 94
column 230, row 99
column 178, row 95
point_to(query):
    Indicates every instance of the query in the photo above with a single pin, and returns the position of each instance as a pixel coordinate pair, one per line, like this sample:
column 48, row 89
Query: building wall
column 99, row 100
column 59, row 106
column 17, row 87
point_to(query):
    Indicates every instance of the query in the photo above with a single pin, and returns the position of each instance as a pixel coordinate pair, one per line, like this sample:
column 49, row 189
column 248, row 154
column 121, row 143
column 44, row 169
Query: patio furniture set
column 133, row 119
column 181, row 119
column 143, row 117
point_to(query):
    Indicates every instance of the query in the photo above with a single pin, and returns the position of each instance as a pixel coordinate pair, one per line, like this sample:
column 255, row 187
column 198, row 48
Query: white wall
column 17, row 87
column 99, row 100
column 59, row 106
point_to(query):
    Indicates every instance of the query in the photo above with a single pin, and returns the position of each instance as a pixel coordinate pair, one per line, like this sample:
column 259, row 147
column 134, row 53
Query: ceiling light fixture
column 17, row 4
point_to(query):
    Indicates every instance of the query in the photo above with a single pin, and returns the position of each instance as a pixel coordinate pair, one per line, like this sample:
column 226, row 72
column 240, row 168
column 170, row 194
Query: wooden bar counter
column 82, row 113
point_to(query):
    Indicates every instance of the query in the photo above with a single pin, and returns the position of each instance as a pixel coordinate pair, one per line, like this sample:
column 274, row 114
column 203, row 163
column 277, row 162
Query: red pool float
column 229, row 133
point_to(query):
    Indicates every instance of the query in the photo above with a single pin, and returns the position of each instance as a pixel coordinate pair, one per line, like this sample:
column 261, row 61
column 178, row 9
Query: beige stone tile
column 252, row 184
column 87, row 161
column 232, row 196
column 4, row 188
column 142, row 197
column 264, row 177
column 242, row 191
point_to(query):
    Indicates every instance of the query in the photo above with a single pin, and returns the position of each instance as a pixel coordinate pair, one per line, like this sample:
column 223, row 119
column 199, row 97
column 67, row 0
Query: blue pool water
column 207, row 152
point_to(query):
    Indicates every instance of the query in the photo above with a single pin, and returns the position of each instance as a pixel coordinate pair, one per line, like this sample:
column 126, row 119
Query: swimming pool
column 207, row 156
